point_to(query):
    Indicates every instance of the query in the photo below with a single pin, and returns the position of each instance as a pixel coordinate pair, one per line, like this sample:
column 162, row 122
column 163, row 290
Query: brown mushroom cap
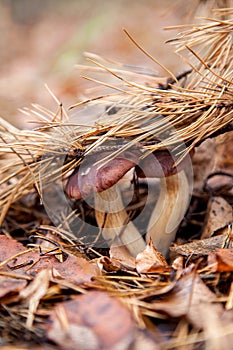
column 91, row 177
column 162, row 164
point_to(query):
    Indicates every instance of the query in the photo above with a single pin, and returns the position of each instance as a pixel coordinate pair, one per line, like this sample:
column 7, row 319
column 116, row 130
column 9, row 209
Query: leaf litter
column 56, row 289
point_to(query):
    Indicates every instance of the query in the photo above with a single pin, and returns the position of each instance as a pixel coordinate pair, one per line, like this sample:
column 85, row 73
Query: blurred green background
column 42, row 40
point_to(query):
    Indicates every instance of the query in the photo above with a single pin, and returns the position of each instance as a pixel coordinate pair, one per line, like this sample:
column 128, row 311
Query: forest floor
column 57, row 293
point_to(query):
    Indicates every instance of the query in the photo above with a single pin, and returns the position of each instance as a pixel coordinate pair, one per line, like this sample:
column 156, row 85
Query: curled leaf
column 219, row 214
column 221, row 260
column 151, row 260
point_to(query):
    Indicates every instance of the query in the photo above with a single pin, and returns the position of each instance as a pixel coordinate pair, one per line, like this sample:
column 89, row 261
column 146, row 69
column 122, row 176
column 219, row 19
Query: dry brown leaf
column 188, row 298
column 200, row 247
column 11, row 285
column 203, row 164
column 218, row 334
column 94, row 321
column 74, row 269
column 110, row 265
column 178, row 263
column 219, row 214
column 221, row 260
column 121, row 254
column 220, row 180
column 224, row 152
column 9, row 247
column 178, row 266
column 77, row 270
column 150, row 260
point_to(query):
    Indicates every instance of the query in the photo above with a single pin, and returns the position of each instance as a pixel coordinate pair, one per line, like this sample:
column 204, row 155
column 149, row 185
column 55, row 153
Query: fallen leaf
column 200, row 247
column 122, row 255
column 9, row 247
column 74, row 269
column 77, row 270
column 220, row 179
column 219, row 214
column 216, row 329
column 110, row 265
column 203, row 164
column 224, row 151
column 178, row 266
column 221, row 260
column 11, row 285
column 150, row 260
column 220, row 183
column 188, row 298
column 94, row 321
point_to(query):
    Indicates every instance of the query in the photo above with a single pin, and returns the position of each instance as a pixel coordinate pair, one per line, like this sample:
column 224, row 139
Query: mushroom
column 111, row 216
column 173, row 199
column 110, row 212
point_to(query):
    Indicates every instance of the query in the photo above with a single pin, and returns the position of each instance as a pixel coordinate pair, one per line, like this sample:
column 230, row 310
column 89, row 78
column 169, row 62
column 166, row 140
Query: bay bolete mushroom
column 110, row 212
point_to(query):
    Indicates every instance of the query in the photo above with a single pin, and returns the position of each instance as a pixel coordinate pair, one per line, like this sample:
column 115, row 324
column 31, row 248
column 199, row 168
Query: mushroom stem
column 169, row 211
column 116, row 227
